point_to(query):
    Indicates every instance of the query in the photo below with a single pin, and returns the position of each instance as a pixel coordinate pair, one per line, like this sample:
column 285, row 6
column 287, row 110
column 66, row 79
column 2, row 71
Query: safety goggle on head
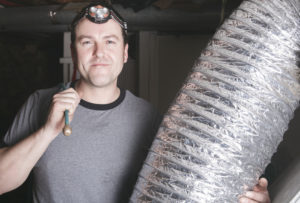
column 101, row 14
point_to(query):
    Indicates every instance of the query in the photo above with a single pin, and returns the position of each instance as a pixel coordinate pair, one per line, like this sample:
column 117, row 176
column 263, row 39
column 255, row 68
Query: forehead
column 86, row 27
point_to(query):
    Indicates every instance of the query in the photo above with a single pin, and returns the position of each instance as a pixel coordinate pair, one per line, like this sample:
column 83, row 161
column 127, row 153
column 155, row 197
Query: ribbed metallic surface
column 230, row 115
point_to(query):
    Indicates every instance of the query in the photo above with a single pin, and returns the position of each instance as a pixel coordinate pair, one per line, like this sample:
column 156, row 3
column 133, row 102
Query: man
column 111, row 128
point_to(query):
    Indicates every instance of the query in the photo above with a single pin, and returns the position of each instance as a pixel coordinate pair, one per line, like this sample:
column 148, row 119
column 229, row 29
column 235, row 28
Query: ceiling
column 162, row 15
column 136, row 5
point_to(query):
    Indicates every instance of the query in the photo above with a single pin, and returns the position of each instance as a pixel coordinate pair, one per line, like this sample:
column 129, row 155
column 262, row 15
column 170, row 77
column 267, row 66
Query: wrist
column 48, row 132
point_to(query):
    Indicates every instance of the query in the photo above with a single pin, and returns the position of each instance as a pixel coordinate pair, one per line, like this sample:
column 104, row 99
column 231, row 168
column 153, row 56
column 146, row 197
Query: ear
column 125, row 57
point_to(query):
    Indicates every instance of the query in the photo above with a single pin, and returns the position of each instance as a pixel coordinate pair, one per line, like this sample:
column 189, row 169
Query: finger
column 246, row 200
column 62, row 98
column 58, row 107
column 70, row 106
column 66, row 98
column 62, row 102
column 71, row 93
column 257, row 196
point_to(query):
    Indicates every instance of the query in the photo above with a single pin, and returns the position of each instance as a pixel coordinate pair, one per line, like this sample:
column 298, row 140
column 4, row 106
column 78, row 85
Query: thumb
column 262, row 185
column 263, row 182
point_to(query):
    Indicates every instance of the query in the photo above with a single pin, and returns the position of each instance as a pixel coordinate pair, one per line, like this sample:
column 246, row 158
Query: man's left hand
column 259, row 194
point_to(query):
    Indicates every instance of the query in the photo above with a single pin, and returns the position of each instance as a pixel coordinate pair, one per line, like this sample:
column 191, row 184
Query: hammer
column 67, row 129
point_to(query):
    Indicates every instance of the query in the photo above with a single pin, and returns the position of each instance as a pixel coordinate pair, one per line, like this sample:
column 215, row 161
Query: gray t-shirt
column 100, row 160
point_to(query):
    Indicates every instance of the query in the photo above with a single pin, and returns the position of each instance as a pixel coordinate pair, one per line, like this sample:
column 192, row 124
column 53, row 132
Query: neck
column 97, row 95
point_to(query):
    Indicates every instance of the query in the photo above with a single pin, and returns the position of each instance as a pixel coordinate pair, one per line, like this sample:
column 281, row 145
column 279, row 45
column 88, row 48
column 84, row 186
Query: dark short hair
column 82, row 14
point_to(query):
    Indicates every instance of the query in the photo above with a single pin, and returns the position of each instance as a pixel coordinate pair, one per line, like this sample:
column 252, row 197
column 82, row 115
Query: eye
column 86, row 42
column 110, row 42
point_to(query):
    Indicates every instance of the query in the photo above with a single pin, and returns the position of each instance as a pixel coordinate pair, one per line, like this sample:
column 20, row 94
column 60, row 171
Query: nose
column 99, row 50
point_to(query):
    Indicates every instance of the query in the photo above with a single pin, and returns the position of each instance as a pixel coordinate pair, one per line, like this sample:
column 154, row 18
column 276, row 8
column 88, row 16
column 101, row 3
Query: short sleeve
column 30, row 117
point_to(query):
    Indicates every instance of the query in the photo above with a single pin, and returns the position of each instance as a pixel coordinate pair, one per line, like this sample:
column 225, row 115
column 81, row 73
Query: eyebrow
column 112, row 36
column 105, row 37
column 83, row 37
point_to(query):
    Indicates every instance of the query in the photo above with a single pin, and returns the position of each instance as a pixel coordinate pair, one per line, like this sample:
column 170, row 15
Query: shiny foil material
column 230, row 115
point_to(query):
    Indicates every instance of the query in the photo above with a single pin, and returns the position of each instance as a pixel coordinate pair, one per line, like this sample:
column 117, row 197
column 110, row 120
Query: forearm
column 17, row 161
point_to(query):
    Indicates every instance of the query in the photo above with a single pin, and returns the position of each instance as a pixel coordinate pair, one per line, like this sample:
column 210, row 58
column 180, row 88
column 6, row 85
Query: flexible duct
column 230, row 115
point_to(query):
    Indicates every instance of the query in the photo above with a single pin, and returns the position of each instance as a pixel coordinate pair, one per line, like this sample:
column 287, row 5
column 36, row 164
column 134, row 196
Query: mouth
column 100, row 65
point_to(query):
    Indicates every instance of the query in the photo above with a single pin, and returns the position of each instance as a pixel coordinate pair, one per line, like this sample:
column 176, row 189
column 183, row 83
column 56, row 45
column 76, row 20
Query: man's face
column 99, row 52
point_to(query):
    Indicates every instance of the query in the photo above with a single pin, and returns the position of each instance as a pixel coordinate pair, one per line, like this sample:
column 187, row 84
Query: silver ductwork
column 230, row 115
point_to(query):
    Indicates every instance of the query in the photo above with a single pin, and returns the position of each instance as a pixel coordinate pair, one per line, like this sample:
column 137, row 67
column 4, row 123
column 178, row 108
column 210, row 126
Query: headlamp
column 100, row 14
